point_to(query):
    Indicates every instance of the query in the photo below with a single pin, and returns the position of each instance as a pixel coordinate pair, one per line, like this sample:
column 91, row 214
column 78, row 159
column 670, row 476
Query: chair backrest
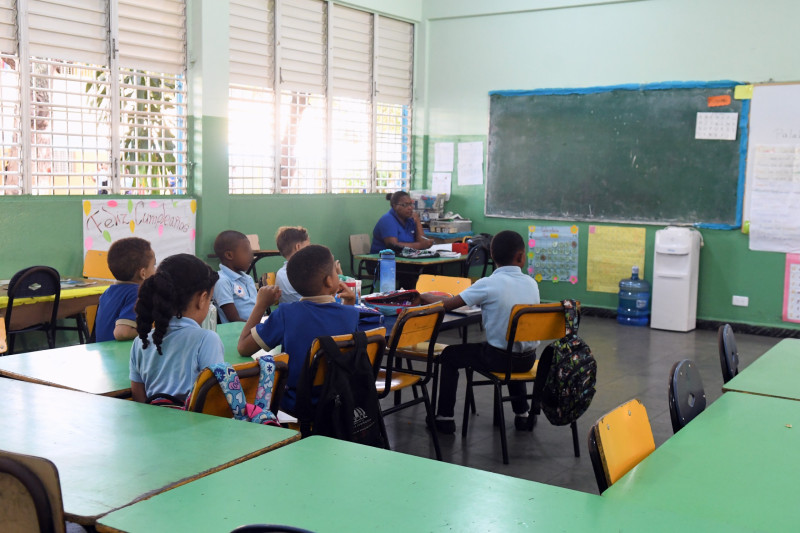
column 271, row 277
column 253, row 238
column 209, row 398
column 618, row 441
column 477, row 256
column 360, row 243
column 728, row 354
column 95, row 265
column 535, row 322
column 32, row 282
column 449, row 284
column 3, row 345
column 376, row 343
column 687, row 398
column 31, row 494
column 415, row 325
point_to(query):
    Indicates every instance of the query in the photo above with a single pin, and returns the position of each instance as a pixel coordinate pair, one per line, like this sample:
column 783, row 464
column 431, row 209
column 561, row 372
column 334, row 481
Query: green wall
column 473, row 47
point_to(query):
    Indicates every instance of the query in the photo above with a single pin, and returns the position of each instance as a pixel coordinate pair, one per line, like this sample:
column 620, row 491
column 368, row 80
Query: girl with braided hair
column 168, row 358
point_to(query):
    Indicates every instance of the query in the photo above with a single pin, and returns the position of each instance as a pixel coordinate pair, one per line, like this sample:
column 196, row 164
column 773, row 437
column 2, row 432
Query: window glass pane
column 70, row 128
column 251, row 140
column 10, row 134
column 393, row 148
column 152, row 133
column 303, row 149
column 351, row 142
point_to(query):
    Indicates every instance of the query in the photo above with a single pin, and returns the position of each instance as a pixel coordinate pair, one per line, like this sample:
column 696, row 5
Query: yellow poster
column 613, row 250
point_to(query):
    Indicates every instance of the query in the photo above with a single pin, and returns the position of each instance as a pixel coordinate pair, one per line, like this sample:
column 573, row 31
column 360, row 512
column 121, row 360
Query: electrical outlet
column 741, row 301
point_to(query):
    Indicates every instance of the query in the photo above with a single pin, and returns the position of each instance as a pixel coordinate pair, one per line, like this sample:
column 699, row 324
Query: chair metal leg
column 498, row 405
column 431, row 424
column 384, row 434
column 469, row 397
column 575, row 445
column 435, row 391
column 10, row 342
column 413, row 389
column 501, row 418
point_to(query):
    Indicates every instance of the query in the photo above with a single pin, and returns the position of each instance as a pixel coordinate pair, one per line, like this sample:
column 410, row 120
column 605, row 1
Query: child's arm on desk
column 266, row 296
column 124, row 332
column 449, row 304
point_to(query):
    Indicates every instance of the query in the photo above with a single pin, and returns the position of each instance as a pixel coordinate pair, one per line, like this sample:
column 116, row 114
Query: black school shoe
column 524, row 422
column 446, row 426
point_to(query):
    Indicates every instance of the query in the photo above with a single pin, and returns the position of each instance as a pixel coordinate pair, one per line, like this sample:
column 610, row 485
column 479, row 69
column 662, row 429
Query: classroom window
column 80, row 116
column 341, row 124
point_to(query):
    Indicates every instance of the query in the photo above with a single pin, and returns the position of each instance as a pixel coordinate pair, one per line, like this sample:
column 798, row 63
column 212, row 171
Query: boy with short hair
column 235, row 292
column 289, row 240
column 132, row 261
column 496, row 295
column 312, row 272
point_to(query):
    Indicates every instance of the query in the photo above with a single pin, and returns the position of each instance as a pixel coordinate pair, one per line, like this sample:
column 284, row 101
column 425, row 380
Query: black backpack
column 347, row 407
column 567, row 374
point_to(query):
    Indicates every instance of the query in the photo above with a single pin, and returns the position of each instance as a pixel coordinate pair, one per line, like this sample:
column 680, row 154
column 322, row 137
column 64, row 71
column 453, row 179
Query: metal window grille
column 351, row 166
column 70, row 128
column 302, row 143
column 10, row 133
column 393, row 148
column 153, row 153
column 251, row 140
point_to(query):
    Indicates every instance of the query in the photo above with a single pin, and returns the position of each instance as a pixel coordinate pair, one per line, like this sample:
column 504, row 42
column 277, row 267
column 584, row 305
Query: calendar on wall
column 719, row 126
column 553, row 253
column 791, row 289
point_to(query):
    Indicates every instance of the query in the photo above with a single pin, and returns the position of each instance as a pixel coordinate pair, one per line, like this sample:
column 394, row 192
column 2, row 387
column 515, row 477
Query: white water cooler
column 675, row 268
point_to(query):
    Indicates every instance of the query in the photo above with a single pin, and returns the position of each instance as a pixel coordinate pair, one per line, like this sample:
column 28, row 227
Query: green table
column 100, row 368
column 776, row 373
column 327, row 485
column 737, row 463
column 111, row 453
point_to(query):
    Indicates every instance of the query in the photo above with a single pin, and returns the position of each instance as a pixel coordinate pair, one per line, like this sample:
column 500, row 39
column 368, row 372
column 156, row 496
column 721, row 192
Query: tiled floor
column 633, row 362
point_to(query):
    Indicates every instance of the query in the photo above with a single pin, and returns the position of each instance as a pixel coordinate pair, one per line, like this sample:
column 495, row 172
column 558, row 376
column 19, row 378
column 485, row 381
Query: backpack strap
column 231, row 386
column 571, row 317
column 266, row 382
column 228, row 379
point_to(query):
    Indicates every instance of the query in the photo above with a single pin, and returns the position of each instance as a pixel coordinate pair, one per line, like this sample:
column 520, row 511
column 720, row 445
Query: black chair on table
column 478, row 256
column 687, row 398
column 728, row 354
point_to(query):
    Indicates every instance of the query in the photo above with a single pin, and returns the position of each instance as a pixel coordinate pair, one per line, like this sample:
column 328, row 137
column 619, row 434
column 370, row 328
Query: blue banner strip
column 660, row 86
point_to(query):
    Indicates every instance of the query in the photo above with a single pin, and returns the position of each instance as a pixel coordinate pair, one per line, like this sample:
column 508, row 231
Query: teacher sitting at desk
column 399, row 227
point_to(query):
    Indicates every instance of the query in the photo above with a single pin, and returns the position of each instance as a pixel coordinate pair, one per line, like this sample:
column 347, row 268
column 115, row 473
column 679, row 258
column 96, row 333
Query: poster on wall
column 169, row 225
column 553, row 253
column 613, row 250
column 791, row 289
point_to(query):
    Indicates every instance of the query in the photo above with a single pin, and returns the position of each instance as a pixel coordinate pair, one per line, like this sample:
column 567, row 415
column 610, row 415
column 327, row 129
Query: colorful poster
column 613, row 250
column 169, row 225
column 553, row 253
column 791, row 289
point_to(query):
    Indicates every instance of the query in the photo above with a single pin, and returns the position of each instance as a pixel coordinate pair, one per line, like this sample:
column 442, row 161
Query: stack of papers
column 466, row 310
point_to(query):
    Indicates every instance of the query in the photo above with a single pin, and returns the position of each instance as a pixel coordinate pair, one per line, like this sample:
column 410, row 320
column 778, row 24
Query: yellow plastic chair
column 526, row 323
column 414, row 326
column 450, row 284
column 269, row 278
column 95, row 265
column 209, row 398
column 31, row 493
column 3, row 346
column 618, row 441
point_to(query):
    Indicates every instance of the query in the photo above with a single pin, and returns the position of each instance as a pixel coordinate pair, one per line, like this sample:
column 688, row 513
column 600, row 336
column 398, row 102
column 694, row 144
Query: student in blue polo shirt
column 399, row 227
column 175, row 300
column 312, row 272
column 235, row 292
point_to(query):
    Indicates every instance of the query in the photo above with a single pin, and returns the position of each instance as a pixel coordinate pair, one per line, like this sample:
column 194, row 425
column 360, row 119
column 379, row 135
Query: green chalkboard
column 616, row 154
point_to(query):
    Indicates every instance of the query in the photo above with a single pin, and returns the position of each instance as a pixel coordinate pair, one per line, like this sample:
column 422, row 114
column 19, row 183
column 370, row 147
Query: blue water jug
column 387, row 273
column 634, row 300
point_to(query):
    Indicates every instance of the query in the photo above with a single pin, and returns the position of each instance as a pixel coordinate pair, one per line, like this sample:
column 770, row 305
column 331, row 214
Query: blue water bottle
column 387, row 271
column 634, row 300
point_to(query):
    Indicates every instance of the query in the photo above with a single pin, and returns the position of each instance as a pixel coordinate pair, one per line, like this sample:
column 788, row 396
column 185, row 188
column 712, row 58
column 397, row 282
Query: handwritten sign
column 169, row 225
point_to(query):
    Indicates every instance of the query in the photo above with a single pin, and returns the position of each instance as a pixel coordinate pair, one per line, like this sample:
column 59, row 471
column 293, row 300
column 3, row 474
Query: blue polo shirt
column 295, row 326
column 237, row 288
column 187, row 350
column 496, row 295
column 389, row 225
column 116, row 306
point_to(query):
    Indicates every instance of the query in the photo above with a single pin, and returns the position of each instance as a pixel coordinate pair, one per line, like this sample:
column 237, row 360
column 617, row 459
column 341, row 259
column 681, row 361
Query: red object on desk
column 461, row 247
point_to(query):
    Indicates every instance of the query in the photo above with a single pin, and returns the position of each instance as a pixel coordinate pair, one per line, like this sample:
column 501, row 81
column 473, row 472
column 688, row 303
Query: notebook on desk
column 466, row 310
